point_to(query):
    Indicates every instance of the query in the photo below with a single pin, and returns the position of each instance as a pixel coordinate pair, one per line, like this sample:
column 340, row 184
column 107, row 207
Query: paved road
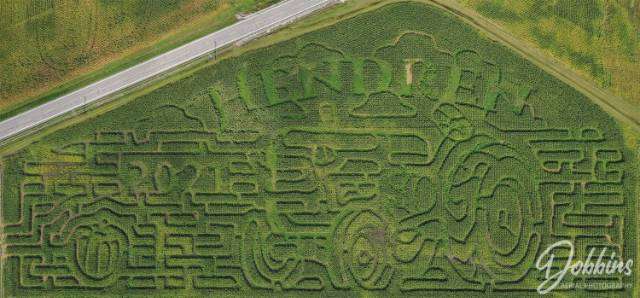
column 255, row 25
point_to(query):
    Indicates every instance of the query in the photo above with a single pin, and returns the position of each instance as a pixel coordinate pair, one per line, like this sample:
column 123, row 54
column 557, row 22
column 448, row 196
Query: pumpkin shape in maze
column 392, row 157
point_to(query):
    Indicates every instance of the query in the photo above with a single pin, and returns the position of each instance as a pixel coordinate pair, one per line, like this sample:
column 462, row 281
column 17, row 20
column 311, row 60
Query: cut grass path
column 262, row 22
column 38, row 90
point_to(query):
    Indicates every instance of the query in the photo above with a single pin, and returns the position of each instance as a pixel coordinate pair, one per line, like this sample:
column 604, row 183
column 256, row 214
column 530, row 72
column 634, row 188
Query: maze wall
column 417, row 159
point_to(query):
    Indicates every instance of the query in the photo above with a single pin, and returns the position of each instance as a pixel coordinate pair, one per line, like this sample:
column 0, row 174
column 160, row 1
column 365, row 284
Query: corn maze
column 411, row 160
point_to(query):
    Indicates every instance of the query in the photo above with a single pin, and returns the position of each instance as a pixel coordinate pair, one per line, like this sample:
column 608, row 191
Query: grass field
column 373, row 158
column 51, row 47
column 600, row 38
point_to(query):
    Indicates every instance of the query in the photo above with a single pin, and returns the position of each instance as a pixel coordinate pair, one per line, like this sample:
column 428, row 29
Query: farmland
column 404, row 157
column 52, row 47
column 599, row 38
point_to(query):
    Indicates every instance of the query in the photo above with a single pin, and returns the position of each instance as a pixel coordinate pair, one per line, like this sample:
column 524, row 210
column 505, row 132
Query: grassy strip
column 191, row 102
column 596, row 38
column 191, row 31
column 309, row 24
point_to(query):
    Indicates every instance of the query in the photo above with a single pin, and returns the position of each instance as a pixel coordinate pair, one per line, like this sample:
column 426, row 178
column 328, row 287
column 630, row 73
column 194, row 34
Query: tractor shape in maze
column 411, row 168
column 305, row 208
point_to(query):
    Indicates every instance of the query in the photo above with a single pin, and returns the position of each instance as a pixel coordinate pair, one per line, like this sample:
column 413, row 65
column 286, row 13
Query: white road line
column 257, row 24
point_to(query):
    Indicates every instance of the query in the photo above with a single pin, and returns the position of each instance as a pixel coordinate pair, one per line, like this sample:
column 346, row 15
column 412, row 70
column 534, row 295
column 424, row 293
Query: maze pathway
column 403, row 157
